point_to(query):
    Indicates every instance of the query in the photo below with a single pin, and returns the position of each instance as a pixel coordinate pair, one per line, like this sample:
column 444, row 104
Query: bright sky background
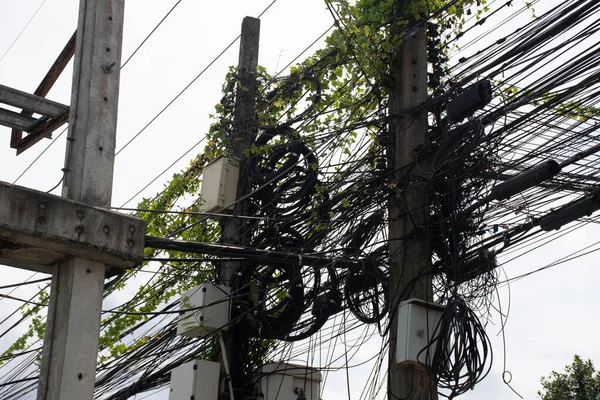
column 553, row 314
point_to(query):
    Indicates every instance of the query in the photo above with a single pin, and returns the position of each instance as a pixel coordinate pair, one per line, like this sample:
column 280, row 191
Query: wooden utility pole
column 236, row 230
column 409, row 242
column 68, row 368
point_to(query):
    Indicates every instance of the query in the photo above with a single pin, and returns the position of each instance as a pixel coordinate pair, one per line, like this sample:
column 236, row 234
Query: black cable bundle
column 268, row 298
column 456, row 162
column 283, row 159
column 272, row 297
column 463, row 352
column 366, row 292
column 321, row 297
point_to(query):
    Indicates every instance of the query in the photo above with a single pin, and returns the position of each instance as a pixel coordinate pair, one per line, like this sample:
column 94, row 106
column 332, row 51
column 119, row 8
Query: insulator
column 473, row 98
column 433, row 57
column 380, row 163
column 433, row 81
column 525, row 180
column 433, row 42
column 301, row 395
column 383, row 139
column 569, row 213
column 432, row 29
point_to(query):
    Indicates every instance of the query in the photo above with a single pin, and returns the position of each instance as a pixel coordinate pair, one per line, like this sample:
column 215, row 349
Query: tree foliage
column 579, row 381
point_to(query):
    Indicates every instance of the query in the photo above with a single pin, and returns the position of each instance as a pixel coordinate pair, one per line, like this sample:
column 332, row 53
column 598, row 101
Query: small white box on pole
column 284, row 381
column 198, row 380
column 417, row 321
column 219, row 184
column 208, row 308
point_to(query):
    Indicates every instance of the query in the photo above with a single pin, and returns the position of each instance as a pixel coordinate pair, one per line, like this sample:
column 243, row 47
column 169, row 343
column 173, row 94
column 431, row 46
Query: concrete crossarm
column 38, row 229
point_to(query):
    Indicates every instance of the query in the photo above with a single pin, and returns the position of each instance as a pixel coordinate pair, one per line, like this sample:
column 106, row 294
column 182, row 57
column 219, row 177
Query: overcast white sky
column 553, row 314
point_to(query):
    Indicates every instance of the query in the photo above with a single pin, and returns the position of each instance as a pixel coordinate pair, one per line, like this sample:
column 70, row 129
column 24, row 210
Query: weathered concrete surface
column 38, row 229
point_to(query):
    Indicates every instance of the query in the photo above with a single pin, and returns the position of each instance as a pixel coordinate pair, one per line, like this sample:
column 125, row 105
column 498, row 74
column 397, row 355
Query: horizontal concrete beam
column 38, row 229
column 30, row 102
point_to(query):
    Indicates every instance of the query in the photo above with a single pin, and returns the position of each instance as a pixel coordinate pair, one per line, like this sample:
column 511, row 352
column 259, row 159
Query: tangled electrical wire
column 459, row 354
column 292, row 302
column 291, row 167
column 312, row 199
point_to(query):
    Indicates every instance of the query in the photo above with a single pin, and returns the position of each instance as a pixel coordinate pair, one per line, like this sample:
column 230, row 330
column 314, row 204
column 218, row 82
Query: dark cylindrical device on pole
column 473, row 98
column 525, row 180
column 570, row 212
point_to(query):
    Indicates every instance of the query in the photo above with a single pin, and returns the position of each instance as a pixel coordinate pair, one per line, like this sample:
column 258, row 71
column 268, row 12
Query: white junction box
column 284, row 381
column 417, row 321
column 219, row 184
column 212, row 306
column 198, row 380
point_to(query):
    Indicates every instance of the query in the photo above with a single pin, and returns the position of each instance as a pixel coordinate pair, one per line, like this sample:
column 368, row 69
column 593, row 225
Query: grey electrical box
column 198, row 380
column 211, row 307
column 417, row 321
column 219, row 185
column 284, row 381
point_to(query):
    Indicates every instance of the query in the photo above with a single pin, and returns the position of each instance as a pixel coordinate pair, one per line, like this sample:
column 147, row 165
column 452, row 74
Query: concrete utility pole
column 235, row 230
column 71, row 343
column 409, row 246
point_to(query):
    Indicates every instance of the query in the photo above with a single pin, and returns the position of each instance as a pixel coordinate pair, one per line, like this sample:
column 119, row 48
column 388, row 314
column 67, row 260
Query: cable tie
column 300, row 259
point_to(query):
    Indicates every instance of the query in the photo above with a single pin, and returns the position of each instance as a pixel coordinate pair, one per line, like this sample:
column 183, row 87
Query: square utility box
column 214, row 301
column 417, row 321
column 198, row 380
column 219, row 184
column 284, row 381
